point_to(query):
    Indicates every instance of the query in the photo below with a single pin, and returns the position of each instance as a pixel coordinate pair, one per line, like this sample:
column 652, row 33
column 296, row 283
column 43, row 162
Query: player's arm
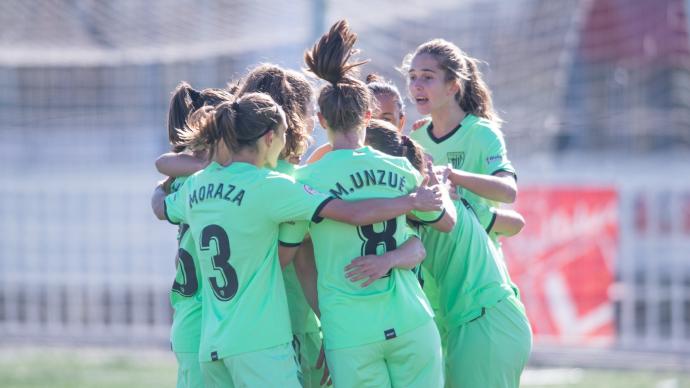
column 158, row 202
column 305, row 267
column 181, row 164
column 507, row 222
column 500, row 187
column 373, row 267
column 369, row 211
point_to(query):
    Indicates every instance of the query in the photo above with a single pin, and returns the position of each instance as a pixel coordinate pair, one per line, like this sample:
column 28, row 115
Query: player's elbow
column 160, row 163
column 516, row 224
column 509, row 195
column 158, row 207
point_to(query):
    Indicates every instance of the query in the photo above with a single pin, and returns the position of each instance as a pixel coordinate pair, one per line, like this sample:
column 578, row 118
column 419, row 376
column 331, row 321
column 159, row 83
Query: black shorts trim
column 316, row 218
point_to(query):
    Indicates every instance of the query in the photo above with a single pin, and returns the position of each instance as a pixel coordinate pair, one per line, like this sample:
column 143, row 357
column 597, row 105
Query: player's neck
column 222, row 156
column 349, row 140
column 250, row 156
column 447, row 119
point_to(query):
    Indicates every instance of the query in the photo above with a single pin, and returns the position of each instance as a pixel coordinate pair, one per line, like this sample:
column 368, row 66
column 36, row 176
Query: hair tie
column 405, row 139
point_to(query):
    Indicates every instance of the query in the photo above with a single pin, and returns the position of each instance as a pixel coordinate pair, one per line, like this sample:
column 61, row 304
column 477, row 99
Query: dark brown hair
column 379, row 85
column 474, row 95
column 290, row 90
column 239, row 123
column 384, row 136
column 184, row 101
column 344, row 101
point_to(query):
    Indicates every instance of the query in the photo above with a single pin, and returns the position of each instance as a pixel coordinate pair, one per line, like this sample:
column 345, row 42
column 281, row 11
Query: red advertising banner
column 563, row 262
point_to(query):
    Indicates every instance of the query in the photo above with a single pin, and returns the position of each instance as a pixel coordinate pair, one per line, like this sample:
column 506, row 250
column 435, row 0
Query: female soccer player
column 234, row 208
column 382, row 335
column 292, row 91
column 464, row 132
column 185, row 296
column 388, row 106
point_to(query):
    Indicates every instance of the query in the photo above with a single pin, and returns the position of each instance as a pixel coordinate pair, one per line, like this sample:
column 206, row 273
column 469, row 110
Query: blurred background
column 595, row 95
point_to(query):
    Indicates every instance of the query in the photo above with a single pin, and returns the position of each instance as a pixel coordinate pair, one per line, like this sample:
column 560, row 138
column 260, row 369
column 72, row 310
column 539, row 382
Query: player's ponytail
column 239, row 123
column 181, row 105
column 384, row 136
column 184, row 102
column 474, row 95
column 414, row 153
column 345, row 100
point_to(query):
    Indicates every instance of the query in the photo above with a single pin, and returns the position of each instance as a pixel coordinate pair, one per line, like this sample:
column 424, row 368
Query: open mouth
column 421, row 100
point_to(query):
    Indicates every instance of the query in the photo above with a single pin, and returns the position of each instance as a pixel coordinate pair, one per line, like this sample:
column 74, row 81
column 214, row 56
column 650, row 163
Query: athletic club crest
column 456, row 159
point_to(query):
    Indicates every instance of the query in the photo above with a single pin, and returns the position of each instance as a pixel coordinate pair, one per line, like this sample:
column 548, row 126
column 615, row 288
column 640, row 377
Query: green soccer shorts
column 411, row 360
column 272, row 367
column 491, row 350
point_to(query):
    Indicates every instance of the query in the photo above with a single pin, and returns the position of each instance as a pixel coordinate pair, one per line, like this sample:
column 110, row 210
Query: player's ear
column 268, row 138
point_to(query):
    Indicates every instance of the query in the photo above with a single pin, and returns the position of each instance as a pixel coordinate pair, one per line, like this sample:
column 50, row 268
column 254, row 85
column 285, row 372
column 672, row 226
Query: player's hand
column 420, row 123
column 321, row 363
column 427, row 198
column 440, row 174
column 167, row 184
column 370, row 266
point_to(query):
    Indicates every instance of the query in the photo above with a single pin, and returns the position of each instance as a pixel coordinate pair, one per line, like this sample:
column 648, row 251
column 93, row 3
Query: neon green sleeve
column 495, row 155
column 485, row 214
column 292, row 232
column 175, row 205
column 294, row 201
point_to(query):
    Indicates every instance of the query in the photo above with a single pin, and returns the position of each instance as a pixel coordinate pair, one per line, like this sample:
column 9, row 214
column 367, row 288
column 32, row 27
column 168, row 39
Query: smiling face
column 427, row 85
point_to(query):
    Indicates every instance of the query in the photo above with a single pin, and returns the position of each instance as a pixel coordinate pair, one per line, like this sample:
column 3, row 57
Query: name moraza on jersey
column 219, row 191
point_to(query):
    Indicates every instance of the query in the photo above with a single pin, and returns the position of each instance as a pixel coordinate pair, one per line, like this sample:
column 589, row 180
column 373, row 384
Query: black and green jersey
column 185, row 295
column 352, row 315
column 234, row 215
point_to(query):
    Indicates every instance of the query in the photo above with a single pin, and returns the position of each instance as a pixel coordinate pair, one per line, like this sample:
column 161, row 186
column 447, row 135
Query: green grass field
column 34, row 367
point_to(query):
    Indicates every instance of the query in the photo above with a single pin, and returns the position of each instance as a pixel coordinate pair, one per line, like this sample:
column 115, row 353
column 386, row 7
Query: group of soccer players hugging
column 375, row 263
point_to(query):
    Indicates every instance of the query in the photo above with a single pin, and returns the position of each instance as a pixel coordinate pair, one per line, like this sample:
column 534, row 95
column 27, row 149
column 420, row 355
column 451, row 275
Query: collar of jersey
column 241, row 166
column 349, row 151
column 467, row 121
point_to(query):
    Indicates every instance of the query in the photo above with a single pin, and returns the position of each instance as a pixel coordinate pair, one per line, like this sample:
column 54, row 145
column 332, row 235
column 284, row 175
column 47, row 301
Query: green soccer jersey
column 302, row 317
column 185, row 296
column 475, row 146
column 467, row 269
column 234, row 213
column 395, row 304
